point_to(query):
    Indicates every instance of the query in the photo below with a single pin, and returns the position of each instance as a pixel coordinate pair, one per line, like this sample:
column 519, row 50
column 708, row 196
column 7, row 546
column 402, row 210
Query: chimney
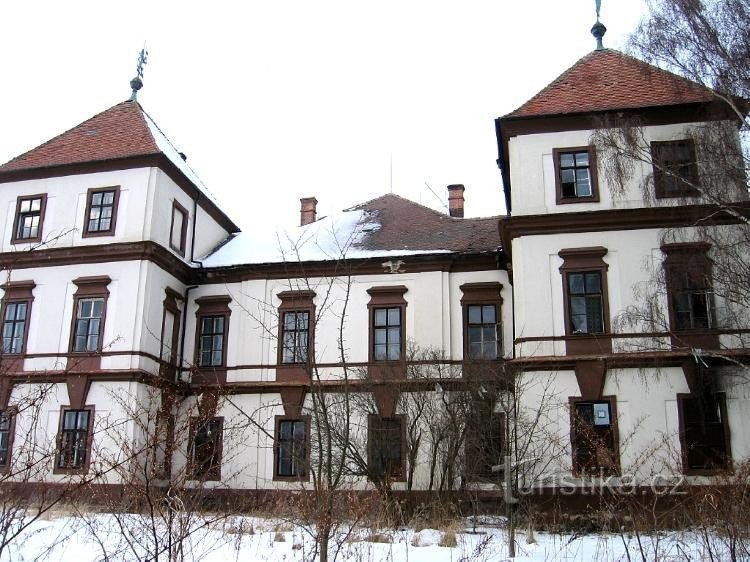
column 307, row 211
column 456, row 200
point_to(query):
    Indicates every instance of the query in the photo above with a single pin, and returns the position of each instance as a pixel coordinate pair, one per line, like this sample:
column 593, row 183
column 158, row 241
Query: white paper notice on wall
column 601, row 414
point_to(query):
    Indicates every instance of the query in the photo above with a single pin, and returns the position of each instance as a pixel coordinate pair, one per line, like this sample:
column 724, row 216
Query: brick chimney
column 308, row 210
column 456, row 200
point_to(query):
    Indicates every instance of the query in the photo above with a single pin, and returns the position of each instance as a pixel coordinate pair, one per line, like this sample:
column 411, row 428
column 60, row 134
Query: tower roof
column 118, row 132
column 119, row 137
column 606, row 80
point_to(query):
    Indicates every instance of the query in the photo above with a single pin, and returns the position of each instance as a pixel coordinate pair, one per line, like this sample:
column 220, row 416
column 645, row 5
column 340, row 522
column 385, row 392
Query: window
column 482, row 331
column 211, row 335
column 692, row 312
column 585, row 308
column 387, row 330
column 485, row 438
column 178, row 229
column 87, row 327
column 692, row 300
column 675, row 171
column 594, row 434
column 387, row 309
column 481, row 317
column 88, row 324
column 212, row 341
column 170, row 332
column 575, row 175
column 6, row 438
column 704, row 434
column 386, row 442
column 14, row 327
column 29, row 217
column 585, row 297
column 296, row 328
column 75, row 443
column 206, row 448
column 292, row 448
column 101, row 211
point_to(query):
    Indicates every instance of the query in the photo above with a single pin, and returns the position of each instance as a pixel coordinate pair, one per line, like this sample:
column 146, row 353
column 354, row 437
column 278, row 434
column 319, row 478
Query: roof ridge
column 402, row 198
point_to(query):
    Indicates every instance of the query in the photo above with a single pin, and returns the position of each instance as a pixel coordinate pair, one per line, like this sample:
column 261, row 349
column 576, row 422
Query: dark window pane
column 575, row 281
column 475, row 314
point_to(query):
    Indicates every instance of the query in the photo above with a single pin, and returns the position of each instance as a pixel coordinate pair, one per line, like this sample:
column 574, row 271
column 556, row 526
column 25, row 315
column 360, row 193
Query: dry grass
column 448, row 539
column 279, row 537
column 379, row 538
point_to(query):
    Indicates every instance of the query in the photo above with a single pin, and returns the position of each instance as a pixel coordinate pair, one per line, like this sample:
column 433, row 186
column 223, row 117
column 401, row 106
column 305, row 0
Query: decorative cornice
column 99, row 253
column 619, row 219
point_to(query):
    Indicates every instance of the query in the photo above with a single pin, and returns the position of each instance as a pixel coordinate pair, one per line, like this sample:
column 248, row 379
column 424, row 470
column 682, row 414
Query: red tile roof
column 609, row 80
column 119, row 132
column 405, row 225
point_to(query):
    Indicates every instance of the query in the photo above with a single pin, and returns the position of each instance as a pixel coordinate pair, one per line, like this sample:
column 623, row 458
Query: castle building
column 142, row 328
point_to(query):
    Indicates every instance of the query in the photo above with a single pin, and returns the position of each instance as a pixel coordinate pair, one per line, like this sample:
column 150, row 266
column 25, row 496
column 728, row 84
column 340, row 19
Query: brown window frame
column 183, row 230
column 296, row 302
column 212, row 306
column 396, row 474
column 87, row 216
column 15, row 239
column 720, row 397
column 305, row 476
column 212, row 472
column 10, row 413
column 16, row 292
column 384, row 298
column 578, row 469
column 89, row 288
column 691, row 261
column 560, row 199
column 663, row 179
column 482, row 294
column 170, row 305
column 582, row 261
column 83, row 468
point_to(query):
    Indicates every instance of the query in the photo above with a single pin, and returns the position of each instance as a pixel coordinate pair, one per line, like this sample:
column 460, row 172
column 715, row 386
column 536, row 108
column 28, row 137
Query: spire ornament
column 137, row 82
column 598, row 30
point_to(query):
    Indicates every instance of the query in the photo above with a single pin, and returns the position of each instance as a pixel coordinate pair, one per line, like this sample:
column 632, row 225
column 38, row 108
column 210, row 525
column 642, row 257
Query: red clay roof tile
column 118, row 132
column 608, row 80
column 405, row 225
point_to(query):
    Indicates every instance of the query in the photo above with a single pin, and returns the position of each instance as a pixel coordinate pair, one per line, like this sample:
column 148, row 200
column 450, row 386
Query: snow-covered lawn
column 98, row 537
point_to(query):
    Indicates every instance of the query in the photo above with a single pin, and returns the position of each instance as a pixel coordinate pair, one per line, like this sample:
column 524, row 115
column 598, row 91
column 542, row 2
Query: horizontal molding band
column 619, row 219
column 157, row 254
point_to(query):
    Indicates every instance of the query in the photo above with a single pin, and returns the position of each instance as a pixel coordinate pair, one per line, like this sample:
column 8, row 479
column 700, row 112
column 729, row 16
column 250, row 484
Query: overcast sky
column 273, row 101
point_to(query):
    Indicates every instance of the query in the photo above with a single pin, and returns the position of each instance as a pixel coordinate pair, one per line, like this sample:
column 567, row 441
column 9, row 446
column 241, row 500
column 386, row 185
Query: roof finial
column 137, row 82
column 598, row 30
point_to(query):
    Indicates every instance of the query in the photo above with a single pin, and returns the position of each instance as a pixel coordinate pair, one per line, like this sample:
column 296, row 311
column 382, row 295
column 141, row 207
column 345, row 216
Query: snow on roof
column 174, row 156
column 337, row 237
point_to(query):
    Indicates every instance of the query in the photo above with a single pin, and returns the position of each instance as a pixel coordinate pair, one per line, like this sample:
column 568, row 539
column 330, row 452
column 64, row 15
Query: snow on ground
column 98, row 537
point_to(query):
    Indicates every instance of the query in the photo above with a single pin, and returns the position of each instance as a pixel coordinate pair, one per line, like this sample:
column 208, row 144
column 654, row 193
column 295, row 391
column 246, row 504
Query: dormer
column 115, row 178
column 545, row 150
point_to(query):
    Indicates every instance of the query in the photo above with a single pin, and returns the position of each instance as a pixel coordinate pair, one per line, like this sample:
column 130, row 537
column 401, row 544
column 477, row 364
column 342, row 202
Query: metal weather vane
column 137, row 82
column 598, row 30
column 143, row 56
